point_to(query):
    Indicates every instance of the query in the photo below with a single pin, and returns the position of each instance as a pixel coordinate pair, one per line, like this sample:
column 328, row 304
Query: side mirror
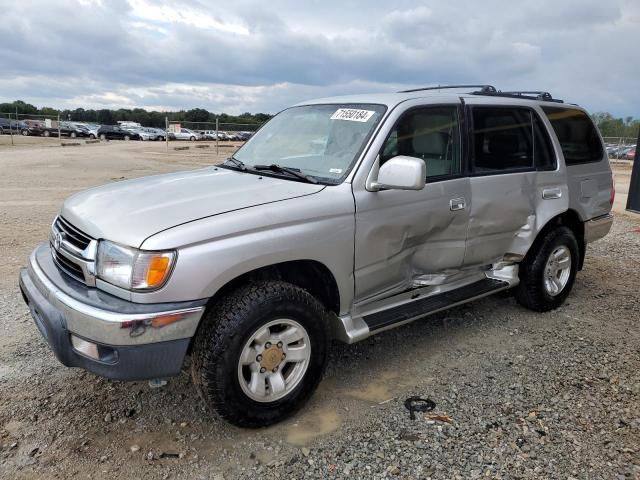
column 401, row 173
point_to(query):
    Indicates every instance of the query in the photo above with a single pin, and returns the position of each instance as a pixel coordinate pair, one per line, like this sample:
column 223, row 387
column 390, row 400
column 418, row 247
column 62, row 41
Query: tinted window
column 431, row 134
column 502, row 139
column 577, row 135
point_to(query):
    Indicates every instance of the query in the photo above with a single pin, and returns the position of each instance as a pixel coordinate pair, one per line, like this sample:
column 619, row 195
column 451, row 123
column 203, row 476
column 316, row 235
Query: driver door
column 405, row 239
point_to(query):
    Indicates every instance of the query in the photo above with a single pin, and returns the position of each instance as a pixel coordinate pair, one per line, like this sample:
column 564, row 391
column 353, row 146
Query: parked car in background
column 8, row 126
column 630, row 154
column 244, row 136
column 115, row 132
column 155, row 133
column 66, row 129
column 186, row 134
column 208, row 134
column 141, row 132
column 34, row 127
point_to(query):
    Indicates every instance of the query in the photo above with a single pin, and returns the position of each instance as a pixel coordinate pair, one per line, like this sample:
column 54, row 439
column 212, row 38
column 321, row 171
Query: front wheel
column 92, row 136
column 548, row 273
column 261, row 353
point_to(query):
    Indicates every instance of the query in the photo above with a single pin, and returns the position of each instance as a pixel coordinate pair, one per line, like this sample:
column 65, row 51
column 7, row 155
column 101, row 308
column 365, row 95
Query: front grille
column 67, row 266
column 73, row 251
column 71, row 234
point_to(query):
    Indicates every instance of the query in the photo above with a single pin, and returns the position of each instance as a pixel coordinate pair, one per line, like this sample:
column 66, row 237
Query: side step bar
column 411, row 305
column 419, row 308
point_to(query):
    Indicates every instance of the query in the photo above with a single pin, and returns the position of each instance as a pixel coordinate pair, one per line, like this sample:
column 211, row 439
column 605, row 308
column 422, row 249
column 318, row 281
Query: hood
column 130, row 211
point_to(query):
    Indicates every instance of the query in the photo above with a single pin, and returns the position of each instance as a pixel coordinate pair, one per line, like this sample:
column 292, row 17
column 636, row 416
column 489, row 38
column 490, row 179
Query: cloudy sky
column 237, row 56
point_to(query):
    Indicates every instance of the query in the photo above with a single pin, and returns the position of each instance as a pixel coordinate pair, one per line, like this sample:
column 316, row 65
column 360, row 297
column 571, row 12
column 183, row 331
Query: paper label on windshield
column 352, row 114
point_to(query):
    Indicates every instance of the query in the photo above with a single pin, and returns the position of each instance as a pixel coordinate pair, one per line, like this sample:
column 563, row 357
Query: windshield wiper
column 238, row 163
column 291, row 171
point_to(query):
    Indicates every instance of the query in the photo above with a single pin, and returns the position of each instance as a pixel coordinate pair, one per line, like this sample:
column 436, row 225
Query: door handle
column 457, row 204
column 551, row 193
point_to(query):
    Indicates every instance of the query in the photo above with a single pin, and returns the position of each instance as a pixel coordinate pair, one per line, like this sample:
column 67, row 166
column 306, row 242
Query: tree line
column 611, row 126
column 154, row 118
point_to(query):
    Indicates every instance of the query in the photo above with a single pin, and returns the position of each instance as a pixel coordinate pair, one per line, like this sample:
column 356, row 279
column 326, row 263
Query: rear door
column 588, row 170
column 515, row 185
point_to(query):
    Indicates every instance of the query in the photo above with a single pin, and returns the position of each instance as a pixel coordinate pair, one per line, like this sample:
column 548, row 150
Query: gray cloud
column 238, row 56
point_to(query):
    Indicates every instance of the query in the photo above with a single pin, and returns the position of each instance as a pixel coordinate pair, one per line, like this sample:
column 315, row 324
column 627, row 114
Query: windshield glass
column 319, row 140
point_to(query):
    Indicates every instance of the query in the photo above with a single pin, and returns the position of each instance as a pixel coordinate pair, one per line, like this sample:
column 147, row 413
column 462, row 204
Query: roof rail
column 483, row 88
column 529, row 95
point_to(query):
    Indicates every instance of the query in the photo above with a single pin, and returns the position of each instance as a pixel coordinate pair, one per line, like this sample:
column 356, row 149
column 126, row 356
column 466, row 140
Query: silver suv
column 340, row 218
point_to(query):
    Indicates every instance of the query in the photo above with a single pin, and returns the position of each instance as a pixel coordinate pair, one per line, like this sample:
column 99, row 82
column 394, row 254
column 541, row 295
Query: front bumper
column 132, row 341
column 598, row 227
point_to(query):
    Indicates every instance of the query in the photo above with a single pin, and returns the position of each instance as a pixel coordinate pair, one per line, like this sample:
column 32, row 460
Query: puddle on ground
column 312, row 425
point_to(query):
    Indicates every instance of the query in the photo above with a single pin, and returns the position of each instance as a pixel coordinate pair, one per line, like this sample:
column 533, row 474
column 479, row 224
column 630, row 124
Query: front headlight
column 131, row 268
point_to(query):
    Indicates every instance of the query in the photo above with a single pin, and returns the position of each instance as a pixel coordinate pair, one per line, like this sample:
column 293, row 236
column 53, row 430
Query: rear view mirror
column 401, row 173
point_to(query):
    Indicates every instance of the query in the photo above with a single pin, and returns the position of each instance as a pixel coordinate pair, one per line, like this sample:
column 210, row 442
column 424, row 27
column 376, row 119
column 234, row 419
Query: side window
column 502, row 139
column 431, row 134
column 577, row 135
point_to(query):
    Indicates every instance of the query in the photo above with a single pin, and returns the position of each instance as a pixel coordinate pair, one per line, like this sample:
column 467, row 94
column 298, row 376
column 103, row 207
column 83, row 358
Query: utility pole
column 166, row 132
column 217, row 139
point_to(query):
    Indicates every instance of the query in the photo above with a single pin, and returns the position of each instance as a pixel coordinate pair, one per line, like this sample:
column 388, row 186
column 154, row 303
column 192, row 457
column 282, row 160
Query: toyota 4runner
column 340, row 218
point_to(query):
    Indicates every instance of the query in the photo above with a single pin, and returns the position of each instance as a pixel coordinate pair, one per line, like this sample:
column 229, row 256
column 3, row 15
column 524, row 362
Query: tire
column 542, row 287
column 73, row 135
column 92, row 136
column 193, row 139
column 46, row 133
column 25, row 132
column 103, row 136
column 227, row 330
column 127, row 138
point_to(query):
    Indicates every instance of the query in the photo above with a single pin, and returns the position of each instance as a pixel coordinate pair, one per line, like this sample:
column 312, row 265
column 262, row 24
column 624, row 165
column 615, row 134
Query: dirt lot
column 553, row 395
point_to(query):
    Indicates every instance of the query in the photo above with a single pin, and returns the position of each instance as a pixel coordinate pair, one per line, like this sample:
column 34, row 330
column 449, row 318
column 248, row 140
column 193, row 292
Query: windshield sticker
column 335, row 170
column 352, row 115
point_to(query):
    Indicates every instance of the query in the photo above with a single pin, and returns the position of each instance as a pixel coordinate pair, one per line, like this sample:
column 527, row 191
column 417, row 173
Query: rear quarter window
column 577, row 135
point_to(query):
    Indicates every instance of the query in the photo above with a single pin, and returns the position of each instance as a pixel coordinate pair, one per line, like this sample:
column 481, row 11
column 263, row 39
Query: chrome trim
column 113, row 328
column 598, row 227
column 85, row 258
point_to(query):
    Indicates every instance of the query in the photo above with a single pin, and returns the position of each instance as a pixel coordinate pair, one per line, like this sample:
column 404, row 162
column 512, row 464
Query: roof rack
column 490, row 90
column 529, row 95
column 483, row 88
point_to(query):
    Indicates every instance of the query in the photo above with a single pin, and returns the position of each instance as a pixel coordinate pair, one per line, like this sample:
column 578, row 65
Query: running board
column 425, row 306
column 411, row 305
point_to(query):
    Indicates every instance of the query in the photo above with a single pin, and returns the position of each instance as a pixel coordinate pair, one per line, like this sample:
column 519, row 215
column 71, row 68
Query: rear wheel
column 73, row 135
column 103, row 136
column 193, row 139
column 92, row 136
column 547, row 274
column 261, row 353
column 47, row 133
column 127, row 138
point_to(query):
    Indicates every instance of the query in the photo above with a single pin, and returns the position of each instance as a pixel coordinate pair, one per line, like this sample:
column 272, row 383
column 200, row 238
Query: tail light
column 613, row 189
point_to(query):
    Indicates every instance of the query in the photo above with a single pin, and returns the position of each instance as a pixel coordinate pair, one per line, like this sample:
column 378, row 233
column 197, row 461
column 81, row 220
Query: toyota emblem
column 57, row 240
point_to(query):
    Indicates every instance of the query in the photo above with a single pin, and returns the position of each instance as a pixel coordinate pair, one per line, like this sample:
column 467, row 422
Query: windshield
column 319, row 140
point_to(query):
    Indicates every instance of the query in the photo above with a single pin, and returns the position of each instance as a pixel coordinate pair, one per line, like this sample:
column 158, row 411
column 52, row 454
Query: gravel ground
column 518, row 394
